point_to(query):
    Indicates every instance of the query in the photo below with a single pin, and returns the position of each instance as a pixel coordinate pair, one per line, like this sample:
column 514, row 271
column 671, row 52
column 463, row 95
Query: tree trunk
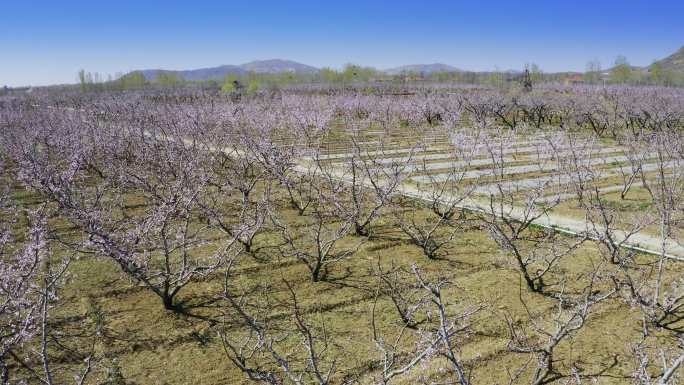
column 4, row 372
column 316, row 272
column 167, row 300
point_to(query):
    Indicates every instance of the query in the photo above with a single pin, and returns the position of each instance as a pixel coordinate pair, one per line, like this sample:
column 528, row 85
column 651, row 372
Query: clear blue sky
column 47, row 42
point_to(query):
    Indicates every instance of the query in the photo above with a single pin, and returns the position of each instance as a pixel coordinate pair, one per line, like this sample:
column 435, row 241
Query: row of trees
column 623, row 73
column 93, row 81
column 605, row 111
column 148, row 185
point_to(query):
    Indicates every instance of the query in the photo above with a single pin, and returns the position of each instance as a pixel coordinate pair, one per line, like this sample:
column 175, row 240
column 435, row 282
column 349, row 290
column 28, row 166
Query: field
column 428, row 235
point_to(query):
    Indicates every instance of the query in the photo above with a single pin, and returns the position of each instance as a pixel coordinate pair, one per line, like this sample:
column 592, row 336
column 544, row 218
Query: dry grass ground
column 131, row 329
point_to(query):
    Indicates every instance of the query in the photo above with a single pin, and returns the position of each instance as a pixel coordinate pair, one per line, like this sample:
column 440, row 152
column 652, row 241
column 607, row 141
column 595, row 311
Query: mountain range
column 674, row 62
column 272, row 66
column 275, row 66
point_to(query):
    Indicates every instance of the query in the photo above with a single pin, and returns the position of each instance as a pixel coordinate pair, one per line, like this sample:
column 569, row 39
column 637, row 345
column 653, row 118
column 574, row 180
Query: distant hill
column 275, row 66
column 272, row 66
column 201, row 74
column 674, row 62
column 421, row 69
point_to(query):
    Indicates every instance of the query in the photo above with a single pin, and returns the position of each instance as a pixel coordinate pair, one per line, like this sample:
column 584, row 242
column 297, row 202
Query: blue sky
column 47, row 42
